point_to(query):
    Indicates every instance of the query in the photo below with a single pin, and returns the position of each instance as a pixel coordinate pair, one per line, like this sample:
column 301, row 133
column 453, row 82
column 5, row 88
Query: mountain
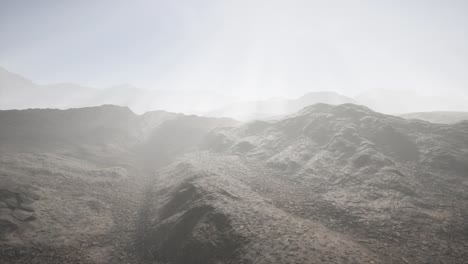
column 327, row 184
column 72, row 181
column 398, row 102
column 277, row 107
column 17, row 92
column 443, row 117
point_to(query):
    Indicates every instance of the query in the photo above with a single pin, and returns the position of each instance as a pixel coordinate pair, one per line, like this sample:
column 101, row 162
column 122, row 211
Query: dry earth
column 329, row 184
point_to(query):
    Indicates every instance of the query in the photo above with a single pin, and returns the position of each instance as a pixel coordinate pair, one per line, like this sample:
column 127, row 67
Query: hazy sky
column 247, row 48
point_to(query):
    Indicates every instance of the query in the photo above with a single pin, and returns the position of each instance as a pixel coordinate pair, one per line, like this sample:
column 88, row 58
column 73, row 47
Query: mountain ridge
column 444, row 117
column 327, row 184
column 277, row 107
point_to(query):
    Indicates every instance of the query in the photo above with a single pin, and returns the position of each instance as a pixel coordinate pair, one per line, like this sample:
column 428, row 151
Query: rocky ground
column 329, row 184
column 72, row 183
column 71, row 211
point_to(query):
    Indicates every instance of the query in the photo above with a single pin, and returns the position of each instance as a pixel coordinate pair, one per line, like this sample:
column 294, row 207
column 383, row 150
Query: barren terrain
column 328, row 184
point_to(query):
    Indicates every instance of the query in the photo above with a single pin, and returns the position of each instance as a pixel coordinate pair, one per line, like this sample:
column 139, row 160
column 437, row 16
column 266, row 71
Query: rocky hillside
column 328, row 184
column 72, row 181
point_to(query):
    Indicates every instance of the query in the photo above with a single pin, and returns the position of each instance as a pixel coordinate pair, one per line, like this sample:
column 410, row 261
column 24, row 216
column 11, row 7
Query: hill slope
column 328, row 184
column 72, row 181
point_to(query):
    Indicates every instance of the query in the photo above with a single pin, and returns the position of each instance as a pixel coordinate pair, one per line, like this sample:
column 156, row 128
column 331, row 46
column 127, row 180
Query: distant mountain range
column 399, row 102
column 18, row 92
column 442, row 117
column 277, row 107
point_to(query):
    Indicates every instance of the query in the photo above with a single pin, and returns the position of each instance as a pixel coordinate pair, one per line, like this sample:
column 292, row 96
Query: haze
column 220, row 52
column 233, row 132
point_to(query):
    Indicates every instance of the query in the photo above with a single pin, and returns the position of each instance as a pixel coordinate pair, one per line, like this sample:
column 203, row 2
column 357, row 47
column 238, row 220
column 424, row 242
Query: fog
column 204, row 55
column 211, row 131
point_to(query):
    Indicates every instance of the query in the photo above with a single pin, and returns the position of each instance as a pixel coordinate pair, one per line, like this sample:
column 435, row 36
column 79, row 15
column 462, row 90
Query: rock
column 26, row 207
column 23, row 215
column 12, row 202
column 6, row 228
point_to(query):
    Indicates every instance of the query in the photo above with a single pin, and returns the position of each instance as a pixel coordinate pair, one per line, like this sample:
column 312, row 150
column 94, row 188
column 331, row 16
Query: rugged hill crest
column 376, row 178
column 328, row 184
column 72, row 181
